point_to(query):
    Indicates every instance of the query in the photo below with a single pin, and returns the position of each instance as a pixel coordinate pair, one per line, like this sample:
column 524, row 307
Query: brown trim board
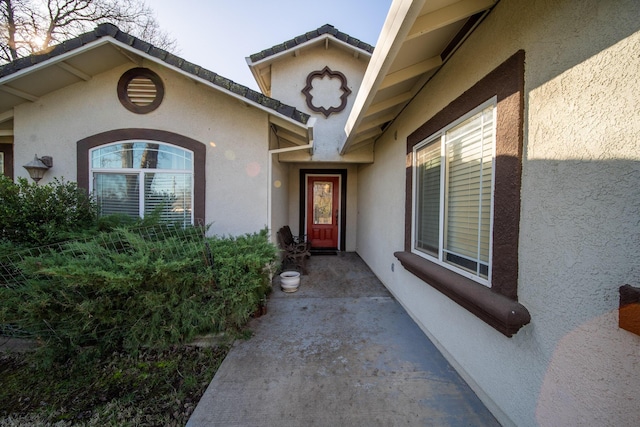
column 495, row 305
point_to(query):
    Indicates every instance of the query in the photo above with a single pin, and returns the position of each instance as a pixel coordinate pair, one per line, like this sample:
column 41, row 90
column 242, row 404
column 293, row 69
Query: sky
column 219, row 34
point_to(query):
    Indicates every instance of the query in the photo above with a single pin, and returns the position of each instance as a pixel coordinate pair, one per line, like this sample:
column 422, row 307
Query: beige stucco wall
column 288, row 79
column 279, row 194
column 235, row 135
column 579, row 230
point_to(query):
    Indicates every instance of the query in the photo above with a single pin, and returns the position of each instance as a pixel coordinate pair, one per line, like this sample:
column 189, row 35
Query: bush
column 124, row 289
column 33, row 214
column 242, row 267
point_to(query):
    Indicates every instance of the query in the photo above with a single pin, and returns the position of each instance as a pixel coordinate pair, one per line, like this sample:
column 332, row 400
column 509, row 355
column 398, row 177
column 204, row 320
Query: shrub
column 32, row 214
column 242, row 267
column 125, row 289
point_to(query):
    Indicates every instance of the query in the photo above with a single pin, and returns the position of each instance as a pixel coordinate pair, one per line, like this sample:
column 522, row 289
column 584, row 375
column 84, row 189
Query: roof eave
column 133, row 53
column 397, row 25
column 406, row 21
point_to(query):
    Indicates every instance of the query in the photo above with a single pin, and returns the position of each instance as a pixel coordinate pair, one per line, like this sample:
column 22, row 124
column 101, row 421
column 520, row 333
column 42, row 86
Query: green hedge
column 124, row 289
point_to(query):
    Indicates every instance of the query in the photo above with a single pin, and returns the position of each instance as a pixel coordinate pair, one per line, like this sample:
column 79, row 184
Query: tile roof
column 325, row 29
column 110, row 30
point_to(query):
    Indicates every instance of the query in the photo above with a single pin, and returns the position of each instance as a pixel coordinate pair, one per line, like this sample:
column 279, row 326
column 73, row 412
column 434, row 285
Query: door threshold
column 323, row 251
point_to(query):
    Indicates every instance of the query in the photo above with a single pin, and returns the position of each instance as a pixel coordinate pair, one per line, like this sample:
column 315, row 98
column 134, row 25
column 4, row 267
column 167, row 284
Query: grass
column 149, row 389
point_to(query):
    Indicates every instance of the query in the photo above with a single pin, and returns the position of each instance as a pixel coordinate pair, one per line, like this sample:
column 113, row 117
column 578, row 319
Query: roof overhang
column 417, row 38
column 31, row 83
column 85, row 62
column 261, row 69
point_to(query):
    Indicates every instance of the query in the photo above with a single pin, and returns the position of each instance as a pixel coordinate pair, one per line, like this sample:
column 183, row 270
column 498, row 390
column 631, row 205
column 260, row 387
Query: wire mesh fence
column 178, row 241
column 181, row 240
column 16, row 268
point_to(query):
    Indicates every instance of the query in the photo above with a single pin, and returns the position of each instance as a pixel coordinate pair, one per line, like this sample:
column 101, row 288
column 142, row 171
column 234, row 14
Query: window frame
column 498, row 304
column 199, row 158
column 440, row 137
column 141, row 173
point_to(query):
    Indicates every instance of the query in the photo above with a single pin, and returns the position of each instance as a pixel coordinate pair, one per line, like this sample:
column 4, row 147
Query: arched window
column 138, row 178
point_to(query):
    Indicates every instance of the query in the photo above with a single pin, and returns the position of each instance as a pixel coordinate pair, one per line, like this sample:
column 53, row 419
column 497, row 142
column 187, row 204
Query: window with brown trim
column 151, row 138
column 494, row 297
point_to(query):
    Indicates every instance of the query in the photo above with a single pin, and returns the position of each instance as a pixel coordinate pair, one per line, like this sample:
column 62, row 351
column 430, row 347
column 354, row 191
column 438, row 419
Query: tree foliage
column 32, row 26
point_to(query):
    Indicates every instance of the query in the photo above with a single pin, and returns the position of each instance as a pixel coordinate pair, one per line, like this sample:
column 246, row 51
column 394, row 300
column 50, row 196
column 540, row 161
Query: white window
column 453, row 197
column 140, row 177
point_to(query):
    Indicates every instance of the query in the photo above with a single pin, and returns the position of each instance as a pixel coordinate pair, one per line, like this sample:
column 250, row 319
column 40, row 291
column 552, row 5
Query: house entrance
column 324, row 206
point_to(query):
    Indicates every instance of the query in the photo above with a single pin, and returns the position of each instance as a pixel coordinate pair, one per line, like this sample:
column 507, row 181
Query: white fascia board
column 6, row 116
column 397, row 25
column 256, row 74
column 56, row 59
column 108, row 39
column 317, row 40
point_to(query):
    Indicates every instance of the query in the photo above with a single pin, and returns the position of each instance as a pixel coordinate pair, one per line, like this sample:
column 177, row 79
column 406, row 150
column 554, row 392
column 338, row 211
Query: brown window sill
column 500, row 312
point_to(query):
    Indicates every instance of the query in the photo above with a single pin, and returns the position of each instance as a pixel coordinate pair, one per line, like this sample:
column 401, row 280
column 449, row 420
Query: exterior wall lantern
column 38, row 166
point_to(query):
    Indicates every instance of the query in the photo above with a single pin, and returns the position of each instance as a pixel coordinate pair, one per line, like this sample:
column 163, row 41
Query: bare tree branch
column 30, row 26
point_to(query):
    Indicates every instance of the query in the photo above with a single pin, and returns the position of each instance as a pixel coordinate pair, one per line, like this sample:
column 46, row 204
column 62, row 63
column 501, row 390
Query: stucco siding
column 289, row 78
column 579, row 228
column 279, row 195
column 235, row 135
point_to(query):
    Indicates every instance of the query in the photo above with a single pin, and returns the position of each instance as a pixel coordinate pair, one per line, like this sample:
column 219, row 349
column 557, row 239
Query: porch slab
column 339, row 351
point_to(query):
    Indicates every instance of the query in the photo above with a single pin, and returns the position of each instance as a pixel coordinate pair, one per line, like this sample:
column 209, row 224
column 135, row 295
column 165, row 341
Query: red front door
column 323, row 211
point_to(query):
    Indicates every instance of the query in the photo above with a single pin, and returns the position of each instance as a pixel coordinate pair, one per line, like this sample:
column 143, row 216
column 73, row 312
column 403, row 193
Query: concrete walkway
column 338, row 352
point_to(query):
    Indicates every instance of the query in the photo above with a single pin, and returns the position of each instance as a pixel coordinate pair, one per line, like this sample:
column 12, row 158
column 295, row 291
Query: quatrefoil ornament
column 344, row 89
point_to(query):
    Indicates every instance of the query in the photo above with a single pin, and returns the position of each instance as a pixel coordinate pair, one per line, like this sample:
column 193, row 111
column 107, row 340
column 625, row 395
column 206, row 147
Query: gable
column 263, row 64
column 82, row 58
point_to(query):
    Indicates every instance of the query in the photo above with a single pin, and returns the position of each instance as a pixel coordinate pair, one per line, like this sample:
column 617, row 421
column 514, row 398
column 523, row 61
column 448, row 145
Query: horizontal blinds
column 117, row 193
column 428, row 204
column 168, row 194
column 469, row 151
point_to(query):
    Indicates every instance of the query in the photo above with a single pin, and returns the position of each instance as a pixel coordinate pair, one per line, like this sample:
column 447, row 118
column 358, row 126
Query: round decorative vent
column 140, row 90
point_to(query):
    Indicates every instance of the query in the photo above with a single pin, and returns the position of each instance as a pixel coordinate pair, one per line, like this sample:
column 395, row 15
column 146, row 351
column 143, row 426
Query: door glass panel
column 322, row 202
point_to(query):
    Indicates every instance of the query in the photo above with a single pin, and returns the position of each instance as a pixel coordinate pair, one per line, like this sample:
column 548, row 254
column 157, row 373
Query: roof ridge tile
column 303, row 38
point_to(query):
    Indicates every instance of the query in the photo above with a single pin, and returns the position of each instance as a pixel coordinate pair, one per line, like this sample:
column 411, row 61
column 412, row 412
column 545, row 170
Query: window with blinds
column 453, row 183
column 138, row 178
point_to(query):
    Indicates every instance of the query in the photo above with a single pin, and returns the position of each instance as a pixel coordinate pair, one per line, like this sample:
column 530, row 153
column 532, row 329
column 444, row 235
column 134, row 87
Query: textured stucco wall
column 279, row 195
column 236, row 137
column 288, row 79
column 579, row 229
